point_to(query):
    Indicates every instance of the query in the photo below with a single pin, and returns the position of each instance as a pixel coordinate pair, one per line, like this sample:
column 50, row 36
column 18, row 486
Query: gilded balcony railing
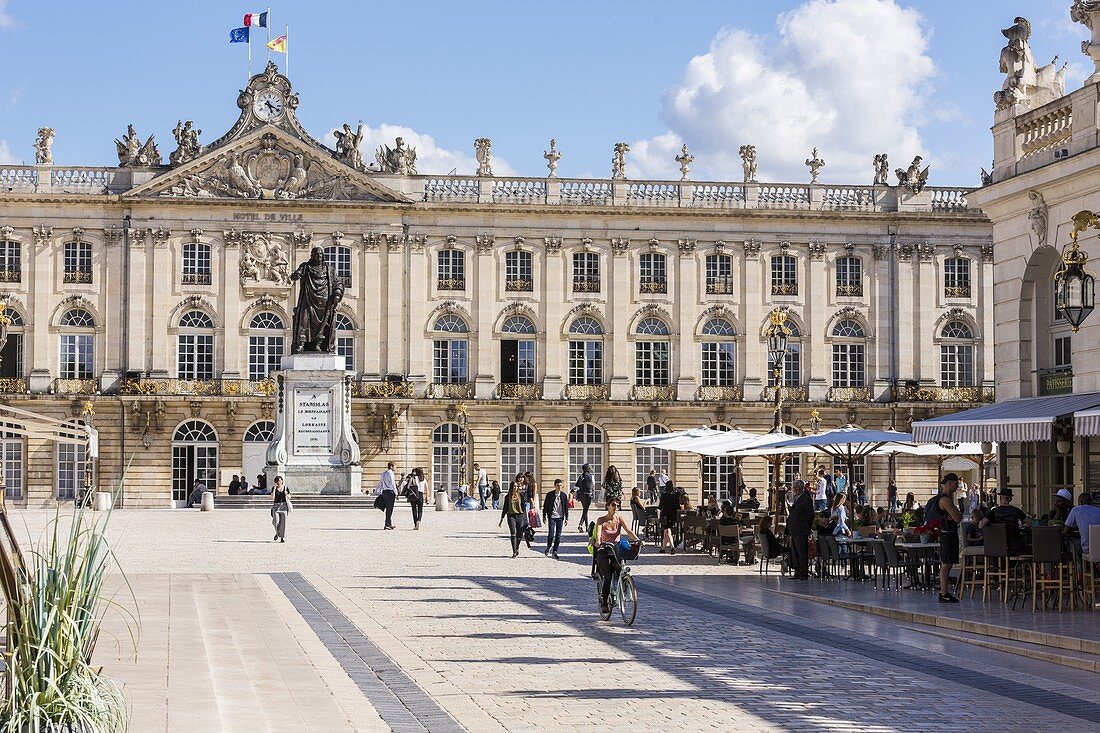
column 382, row 390
column 507, row 391
column 653, row 286
column 75, row 386
column 790, row 394
column 653, row 392
column 11, row 275
column 198, row 387
column 784, row 288
column 586, row 285
column 849, row 394
column 450, row 283
column 451, row 390
column 82, row 277
column 719, row 393
column 13, row 385
column 719, row 286
column 586, row 392
column 957, row 291
column 519, row 285
column 943, row 394
column 850, row 290
column 196, row 278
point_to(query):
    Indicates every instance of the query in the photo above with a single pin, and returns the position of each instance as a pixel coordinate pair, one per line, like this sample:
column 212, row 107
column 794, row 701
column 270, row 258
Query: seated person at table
column 729, row 518
column 1083, row 516
column 973, row 536
column 751, row 504
column 821, row 523
column 866, row 525
column 1012, row 517
column 880, row 517
column 775, row 545
column 1063, row 502
column 712, row 509
column 636, row 500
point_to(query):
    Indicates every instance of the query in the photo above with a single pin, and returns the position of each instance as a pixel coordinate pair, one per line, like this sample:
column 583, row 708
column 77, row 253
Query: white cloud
column 6, row 21
column 430, row 157
column 654, row 158
column 850, row 77
column 5, row 153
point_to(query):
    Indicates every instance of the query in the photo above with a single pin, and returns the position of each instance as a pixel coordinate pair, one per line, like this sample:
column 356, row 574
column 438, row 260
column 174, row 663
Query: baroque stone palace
column 548, row 316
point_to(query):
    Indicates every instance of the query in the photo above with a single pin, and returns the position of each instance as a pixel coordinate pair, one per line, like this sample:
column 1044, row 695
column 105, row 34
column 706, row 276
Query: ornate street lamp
column 1074, row 286
column 777, row 335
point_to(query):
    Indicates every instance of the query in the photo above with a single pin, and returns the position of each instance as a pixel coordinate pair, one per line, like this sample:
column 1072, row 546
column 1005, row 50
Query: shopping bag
column 533, row 519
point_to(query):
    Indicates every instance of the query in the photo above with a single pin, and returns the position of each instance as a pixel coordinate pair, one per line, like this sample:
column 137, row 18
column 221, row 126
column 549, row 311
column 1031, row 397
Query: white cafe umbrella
column 656, row 438
column 931, row 449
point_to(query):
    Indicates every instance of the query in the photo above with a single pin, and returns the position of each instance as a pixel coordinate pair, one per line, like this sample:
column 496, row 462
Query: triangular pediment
column 267, row 163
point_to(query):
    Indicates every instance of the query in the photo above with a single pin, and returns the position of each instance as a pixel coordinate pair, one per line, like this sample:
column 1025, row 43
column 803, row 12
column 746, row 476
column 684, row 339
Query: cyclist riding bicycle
column 608, row 530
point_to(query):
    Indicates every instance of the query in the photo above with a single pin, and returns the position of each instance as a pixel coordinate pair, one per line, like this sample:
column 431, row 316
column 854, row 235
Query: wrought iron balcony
column 519, row 285
column 653, row 285
column 586, row 392
column 508, row 391
column 1055, row 381
column 11, row 275
column 83, row 277
column 13, row 385
column 382, row 390
column 451, row 390
column 784, row 288
column 943, row 394
column 956, row 291
column 586, row 284
column 849, row 394
column 653, row 392
column 719, row 393
column 851, row 290
column 790, row 394
column 719, row 286
column 196, row 278
column 76, row 386
column 450, row 283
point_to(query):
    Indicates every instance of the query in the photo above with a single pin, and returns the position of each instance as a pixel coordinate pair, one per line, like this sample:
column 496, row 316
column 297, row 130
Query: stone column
column 42, row 342
column 163, row 270
column 142, row 295
column 920, row 323
column 234, row 347
column 481, row 285
column 550, row 281
column 684, row 290
column 755, row 307
column 908, row 302
column 820, row 302
column 983, row 370
column 618, row 345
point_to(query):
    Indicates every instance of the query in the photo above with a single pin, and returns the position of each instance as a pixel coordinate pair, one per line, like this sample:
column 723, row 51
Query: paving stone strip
column 398, row 699
column 828, row 637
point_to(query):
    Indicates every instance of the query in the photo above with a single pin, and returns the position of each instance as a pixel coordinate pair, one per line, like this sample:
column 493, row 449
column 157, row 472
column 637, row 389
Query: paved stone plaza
column 346, row 627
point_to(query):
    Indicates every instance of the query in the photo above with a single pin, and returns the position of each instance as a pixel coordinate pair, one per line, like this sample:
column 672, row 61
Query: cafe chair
column 886, row 556
column 728, row 542
column 766, row 550
column 997, row 566
column 973, row 562
column 1088, row 567
column 1050, row 573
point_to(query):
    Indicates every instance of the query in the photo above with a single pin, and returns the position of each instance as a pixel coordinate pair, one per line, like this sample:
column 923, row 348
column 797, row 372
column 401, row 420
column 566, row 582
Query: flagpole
column 286, row 40
column 267, row 27
column 249, row 32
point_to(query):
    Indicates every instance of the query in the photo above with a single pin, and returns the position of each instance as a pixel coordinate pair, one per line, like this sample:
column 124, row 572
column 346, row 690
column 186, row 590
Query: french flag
column 255, row 20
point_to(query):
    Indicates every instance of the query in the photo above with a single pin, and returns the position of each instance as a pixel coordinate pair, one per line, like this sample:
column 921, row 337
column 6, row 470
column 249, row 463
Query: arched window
column 11, row 357
column 77, row 345
column 451, row 269
column 849, row 276
column 585, row 354
column 518, row 443
column 339, row 258
column 956, row 355
column 585, row 443
column 719, row 353
column 651, row 355
column 450, row 350
column 956, row 277
column 266, row 344
column 652, row 273
column 11, row 452
column 647, row 457
column 196, row 263
column 719, row 274
column 784, row 275
column 792, row 360
column 447, row 457
column 849, row 355
column 195, row 346
column 720, row 474
column 517, row 355
column 72, row 464
column 345, row 340
column 586, row 272
column 194, row 458
column 254, row 448
column 518, row 275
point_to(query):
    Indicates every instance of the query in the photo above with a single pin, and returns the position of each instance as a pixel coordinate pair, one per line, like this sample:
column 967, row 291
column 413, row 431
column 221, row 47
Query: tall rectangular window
column 849, row 276
column 956, row 277
column 451, row 270
column 518, row 276
column 77, row 356
column 719, row 364
column 956, row 365
column 792, row 367
column 719, row 274
column 651, row 363
column 653, row 276
column 450, row 361
column 339, row 258
column 11, row 262
column 1063, row 352
column 78, row 262
column 195, row 359
column 71, row 470
column 586, row 272
column 784, row 275
column 264, row 356
column 586, row 362
column 196, row 264
column 848, row 365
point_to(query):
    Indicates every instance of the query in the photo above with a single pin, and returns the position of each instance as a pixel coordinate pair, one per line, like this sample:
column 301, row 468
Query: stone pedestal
column 314, row 449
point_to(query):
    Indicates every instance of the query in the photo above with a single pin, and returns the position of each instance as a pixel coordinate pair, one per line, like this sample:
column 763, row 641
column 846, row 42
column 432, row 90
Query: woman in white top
column 839, row 514
column 821, row 500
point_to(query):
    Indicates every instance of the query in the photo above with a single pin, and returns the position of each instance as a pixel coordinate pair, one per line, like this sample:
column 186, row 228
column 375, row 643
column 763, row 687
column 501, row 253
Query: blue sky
column 852, row 77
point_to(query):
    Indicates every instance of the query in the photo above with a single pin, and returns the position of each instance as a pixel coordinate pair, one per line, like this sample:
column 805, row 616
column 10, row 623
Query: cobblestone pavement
column 502, row 644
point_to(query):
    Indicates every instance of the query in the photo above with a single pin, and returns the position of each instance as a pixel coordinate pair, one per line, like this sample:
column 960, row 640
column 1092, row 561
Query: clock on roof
column 268, row 105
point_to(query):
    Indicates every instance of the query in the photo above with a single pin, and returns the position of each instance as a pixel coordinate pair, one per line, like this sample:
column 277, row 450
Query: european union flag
column 238, row 35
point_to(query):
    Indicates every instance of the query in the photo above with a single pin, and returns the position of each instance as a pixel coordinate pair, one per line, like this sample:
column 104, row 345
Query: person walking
column 415, row 487
column 532, row 490
column 821, row 496
column 387, row 489
column 892, row 496
column 513, row 511
column 496, row 494
column 482, row 486
column 799, row 521
column 651, row 485
column 612, row 486
column 586, row 488
column 555, row 510
column 838, row 516
column 950, row 516
column 280, row 507
column 668, row 509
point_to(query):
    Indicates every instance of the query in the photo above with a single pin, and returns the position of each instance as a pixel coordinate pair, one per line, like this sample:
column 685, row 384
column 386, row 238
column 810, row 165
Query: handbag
column 289, row 506
column 533, row 519
column 379, row 502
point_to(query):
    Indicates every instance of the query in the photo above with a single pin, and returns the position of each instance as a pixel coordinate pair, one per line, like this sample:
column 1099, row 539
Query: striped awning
column 1087, row 422
column 1013, row 421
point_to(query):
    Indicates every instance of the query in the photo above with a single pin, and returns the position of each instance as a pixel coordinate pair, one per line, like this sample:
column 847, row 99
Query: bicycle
column 624, row 593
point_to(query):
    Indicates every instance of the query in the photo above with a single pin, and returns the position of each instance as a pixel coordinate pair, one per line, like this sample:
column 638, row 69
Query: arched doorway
column 194, row 458
column 254, row 449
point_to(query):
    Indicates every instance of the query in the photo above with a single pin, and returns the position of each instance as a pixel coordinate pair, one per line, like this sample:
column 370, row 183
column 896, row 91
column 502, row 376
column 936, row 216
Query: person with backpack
column 942, row 507
column 586, row 489
column 512, row 510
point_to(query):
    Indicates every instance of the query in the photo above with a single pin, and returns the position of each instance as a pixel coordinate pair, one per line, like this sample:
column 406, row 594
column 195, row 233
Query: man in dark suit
column 799, row 521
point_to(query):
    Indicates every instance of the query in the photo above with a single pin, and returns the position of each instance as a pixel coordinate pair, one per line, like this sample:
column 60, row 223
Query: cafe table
column 922, row 551
column 863, row 544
